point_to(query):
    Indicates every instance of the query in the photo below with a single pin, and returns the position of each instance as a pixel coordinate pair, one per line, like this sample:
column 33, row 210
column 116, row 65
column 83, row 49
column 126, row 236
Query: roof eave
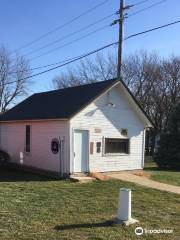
column 147, row 119
column 34, row 120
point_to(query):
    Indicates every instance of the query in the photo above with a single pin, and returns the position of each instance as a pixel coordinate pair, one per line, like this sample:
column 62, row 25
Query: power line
column 144, row 9
column 62, row 26
column 122, row 15
column 43, row 66
column 95, row 51
column 62, row 65
column 71, row 42
column 141, row 2
column 69, row 35
column 152, row 29
column 84, row 28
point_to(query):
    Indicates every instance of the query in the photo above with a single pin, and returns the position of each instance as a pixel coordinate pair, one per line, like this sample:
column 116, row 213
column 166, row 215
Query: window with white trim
column 116, row 146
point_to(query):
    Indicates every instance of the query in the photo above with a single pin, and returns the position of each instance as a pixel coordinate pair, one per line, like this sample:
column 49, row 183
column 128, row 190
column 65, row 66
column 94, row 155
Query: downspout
column 143, row 147
column 61, row 156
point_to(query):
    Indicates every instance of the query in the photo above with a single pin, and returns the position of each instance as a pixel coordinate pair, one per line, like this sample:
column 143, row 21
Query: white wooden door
column 81, row 151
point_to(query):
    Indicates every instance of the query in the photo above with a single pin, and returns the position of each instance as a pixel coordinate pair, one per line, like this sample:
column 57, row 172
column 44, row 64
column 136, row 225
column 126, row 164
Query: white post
column 124, row 207
column 21, row 157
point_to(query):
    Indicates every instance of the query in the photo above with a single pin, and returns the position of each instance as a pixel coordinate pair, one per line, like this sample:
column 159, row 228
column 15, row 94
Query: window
column 124, row 131
column 98, row 147
column 116, row 145
column 28, row 138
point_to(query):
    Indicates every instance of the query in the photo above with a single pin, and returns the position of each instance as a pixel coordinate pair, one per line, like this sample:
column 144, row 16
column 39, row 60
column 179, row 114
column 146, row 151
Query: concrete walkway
column 130, row 177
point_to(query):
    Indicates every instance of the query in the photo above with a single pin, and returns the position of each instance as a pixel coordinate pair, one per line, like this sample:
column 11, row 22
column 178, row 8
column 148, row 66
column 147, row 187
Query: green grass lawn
column 167, row 176
column 34, row 207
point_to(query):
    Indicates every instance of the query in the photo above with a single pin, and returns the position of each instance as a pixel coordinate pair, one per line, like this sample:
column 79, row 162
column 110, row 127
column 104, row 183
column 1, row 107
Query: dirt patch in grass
column 99, row 176
column 143, row 174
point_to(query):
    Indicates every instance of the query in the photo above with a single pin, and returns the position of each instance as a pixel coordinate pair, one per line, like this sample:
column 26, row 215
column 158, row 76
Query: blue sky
column 23, row 21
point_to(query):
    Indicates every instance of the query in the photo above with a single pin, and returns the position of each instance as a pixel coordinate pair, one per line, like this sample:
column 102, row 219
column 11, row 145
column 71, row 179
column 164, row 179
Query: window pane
column 114, row 145
column 98, row 147
column 28, row 133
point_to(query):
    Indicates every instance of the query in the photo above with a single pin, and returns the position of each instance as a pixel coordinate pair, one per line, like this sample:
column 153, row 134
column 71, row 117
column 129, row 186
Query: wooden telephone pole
column 121, row 31
column 122, row 16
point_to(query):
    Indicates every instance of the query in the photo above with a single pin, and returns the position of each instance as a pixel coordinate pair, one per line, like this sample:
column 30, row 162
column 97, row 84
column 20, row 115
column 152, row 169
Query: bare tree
column 12, row 70
column 156, row 84
column 88, row 71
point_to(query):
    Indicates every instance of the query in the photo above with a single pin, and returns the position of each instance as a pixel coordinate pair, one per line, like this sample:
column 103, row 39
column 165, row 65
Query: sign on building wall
column 97, row 130
column 55, row 145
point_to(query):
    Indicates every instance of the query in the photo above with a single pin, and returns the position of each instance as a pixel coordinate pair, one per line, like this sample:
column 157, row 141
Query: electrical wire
column 43, row 66
column 144, row 9
column 61, row 26
column 62, row 65
column 71, row 42
column 141, row 2
column 94, row 51
column 69, row 35
column 152, row 29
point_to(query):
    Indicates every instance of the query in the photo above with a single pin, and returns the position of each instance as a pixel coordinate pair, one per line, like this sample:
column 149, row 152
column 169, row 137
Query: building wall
column 102, row 120
column 12, row 140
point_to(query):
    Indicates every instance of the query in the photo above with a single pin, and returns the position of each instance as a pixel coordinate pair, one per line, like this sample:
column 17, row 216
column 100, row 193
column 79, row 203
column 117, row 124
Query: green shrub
column 168, row 152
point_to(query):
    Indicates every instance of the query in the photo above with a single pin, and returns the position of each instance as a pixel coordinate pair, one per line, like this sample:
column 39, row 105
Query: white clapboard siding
column 42, row 132
column 110, row 120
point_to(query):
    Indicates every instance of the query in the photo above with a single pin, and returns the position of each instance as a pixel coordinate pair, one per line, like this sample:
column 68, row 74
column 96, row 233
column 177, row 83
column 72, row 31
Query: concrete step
column 81, row 179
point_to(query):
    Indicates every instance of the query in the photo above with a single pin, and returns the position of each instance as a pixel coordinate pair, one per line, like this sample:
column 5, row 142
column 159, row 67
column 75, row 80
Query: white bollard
column 21, row 158
column 124, row 207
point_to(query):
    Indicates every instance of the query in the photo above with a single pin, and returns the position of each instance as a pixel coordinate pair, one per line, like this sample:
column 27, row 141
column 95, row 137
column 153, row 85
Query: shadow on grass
column 160, row 169
column 18, row 175
column 84, row 225
column 153, row 169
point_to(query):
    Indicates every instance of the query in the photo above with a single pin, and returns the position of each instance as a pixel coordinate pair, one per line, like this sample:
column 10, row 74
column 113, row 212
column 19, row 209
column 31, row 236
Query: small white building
column 94, row 127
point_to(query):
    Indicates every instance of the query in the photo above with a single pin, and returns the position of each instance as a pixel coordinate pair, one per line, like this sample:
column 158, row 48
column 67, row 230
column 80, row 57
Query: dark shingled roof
column 63, row 103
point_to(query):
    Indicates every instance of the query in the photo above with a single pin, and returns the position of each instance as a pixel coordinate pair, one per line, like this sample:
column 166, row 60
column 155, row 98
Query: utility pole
column 121, row 32
column 122, row 16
